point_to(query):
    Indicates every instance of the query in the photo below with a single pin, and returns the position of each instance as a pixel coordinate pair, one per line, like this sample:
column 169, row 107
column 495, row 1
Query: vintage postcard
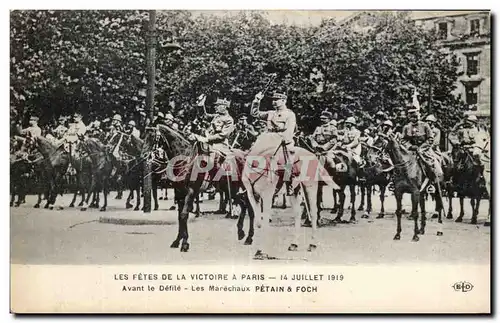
column 176, row 161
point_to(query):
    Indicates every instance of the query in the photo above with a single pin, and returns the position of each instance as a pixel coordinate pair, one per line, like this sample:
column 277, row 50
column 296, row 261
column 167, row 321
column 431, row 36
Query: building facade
column 468, row 36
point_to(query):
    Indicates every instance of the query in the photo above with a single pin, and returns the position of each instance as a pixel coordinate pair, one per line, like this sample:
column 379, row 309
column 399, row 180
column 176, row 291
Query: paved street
column 40, row 236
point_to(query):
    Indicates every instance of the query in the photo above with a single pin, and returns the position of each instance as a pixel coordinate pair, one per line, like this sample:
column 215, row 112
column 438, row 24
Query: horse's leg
column 368, row 194
column 475, row 208
column 105, row 193
column 363, row 190
column 37, row 205
column 130, row 196
column 319, row 202
column 241, row 221
column 449, row 192
column 335, row 203
column 180, row 204
column 155, row 191
column 422, row 214
column 251, row 226
column 382, row 200
column 415, row 198
column 310, row 195
column 461, row 215
column 399, row 207
column 77, row 189
column 352, row 193
column 340, row 212
column 137, row 201
column 197, row 210
column 184, row 218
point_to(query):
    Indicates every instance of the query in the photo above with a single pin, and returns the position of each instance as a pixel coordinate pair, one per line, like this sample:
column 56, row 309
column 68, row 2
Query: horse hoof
column 175, row 244
column 434, row 216
column 16, row 205
column 365, row 216
column 458, row 220
column 248, row 242
column 228, row 216
column 46, row 206
column 311, row 247
column 487, row 224
column 422, row 232
column 337, row 219
column 172, row 208
column 293, row 247
column 241, row 234
column 137, row 208
column 37, row 206
column 449, row 216
column 60, row 208
column 403, row 211
column 473, row 221
column 259, row 255
column 361, row 208
column 415, row 238
column 380, row 216
column 185, row 247
column 397, row 237
column 439, row 233
column 80, row 204
column 72, row 205
column 128, row 206
column 83, row 209
column 307, row 224
column 103, row 209
column 11, row 204
column 353, row 220
column 156, row 208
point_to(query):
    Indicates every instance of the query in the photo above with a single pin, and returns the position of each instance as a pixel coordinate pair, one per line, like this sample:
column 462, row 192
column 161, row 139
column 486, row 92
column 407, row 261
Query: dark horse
column 182, row 156
column 408, row 178
column 468, row 181
column 55, row 163
column 373, row 174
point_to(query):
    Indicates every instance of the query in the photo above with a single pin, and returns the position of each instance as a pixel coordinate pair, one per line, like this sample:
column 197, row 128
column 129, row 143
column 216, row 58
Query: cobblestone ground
column 71, row 236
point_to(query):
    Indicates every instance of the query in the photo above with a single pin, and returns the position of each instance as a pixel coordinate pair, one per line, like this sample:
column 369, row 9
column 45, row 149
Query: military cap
column 351, row 120
column 222, row 102
column 278, row 96
column 34, row 118
column 131, row 123
column 243, row 117
column 388, row 123
column 431, row 118
column 169, row 116
column 117, row 117
column 472, row 118
column 326, row 114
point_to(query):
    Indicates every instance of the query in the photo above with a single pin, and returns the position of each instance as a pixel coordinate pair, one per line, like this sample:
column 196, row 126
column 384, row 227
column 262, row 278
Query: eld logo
column 462, row 287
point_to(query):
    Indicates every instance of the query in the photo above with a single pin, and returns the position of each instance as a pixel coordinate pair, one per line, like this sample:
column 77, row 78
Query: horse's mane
column 167, row 131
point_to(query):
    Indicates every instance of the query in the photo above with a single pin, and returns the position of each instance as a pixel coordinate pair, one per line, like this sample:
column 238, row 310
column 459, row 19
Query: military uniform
column 351, row 141
column 60, row 131
column 325, row 135
column 420, row 134
column 282, row 122
column 75, row 130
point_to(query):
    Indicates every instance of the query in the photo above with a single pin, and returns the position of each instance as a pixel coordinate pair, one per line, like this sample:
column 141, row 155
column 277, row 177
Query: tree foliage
column 94, row 62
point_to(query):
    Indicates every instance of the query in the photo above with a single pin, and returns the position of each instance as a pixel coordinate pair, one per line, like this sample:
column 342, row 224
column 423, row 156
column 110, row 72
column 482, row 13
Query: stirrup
column 388, row 169
column 431, row 189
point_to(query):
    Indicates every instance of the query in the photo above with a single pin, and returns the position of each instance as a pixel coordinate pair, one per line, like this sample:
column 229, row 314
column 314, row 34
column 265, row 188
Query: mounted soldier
column 467, row 134
column 245, row 134
column 220, row 128
column 33, row 130
column 324, row 136
column 132, row 130
column 281, row 125
column 418, row 136
column 61, row 129
column 351, row 141
column 116, row 131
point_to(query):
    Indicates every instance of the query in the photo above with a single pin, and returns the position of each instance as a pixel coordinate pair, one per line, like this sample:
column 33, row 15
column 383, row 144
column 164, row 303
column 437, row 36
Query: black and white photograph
column 250, row 138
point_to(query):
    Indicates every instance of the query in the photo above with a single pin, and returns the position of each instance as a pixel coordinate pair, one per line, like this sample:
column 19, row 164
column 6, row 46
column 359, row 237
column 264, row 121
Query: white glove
column 258, row 97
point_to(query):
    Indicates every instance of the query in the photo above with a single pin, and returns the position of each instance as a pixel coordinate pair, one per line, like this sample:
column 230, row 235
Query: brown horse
column 55, row 163
column 468, row 181
column 408, row 178
column 373, row 174
column 187, row 173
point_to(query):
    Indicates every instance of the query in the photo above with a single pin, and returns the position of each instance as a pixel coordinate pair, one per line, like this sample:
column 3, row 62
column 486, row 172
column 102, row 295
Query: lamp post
column 150, row 97
column 150, row 61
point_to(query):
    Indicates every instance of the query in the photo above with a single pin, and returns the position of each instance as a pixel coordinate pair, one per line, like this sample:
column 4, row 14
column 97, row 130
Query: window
column 474, row 27
column 443, row 30
column 473, row 64
column 471, row 95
